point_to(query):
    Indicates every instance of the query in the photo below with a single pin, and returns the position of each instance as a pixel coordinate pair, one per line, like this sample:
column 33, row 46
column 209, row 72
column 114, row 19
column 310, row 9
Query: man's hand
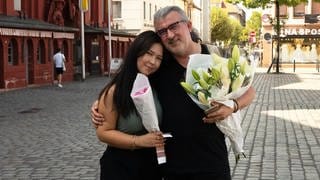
column 217, row 112
column 96, row 118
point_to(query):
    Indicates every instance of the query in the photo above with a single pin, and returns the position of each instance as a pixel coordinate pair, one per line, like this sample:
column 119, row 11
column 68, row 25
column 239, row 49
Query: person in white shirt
column 59, row 60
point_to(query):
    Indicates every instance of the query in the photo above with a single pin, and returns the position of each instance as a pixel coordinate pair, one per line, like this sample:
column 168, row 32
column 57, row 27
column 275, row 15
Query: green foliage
column 237, row 32
column 264, row 3
column 244, row 34
column 221, row 27
column 254, row 22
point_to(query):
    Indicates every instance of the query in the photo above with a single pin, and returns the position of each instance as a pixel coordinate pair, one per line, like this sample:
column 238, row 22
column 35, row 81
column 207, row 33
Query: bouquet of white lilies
column 214, row 78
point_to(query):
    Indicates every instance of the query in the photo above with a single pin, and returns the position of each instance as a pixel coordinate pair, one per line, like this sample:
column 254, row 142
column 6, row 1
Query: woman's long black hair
column 124, row 79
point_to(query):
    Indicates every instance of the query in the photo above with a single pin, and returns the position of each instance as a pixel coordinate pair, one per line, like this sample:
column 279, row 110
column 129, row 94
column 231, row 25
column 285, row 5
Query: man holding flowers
column 197, row 150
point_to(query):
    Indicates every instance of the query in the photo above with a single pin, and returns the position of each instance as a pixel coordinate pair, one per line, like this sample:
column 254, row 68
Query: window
column 283, row 11
column 17, row 5
column 116, row 9
column 13, row 52
column 23, row 51
column 41, row 53
column 299, row 10
column 104, row 10
column 144, row 10
column 315, row 7
column 150, row 12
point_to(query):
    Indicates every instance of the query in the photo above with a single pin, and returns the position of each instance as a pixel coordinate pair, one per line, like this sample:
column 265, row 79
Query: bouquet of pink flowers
column 214, row 78
column 143, row 100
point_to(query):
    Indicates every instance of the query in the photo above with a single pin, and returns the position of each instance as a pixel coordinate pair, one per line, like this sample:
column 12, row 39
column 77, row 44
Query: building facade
column 27, row 43
column 143, row 10
column 32, row 30
column 299, row 35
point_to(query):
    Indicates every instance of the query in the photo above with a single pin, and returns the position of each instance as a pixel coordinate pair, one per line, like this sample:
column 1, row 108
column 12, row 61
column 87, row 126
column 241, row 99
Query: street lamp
column 109, row 34
column 84, row 6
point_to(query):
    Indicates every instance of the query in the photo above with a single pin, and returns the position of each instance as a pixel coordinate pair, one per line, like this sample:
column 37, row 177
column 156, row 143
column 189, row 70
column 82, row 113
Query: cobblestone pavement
column 45, row 132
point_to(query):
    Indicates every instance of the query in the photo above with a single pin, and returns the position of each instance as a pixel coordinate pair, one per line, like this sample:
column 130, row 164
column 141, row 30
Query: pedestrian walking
column 59, row 62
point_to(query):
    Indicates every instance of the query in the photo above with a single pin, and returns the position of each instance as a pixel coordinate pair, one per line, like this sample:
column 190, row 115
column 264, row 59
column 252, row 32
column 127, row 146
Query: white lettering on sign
column 33, row 33
column 299, row 31
column 63, row 35
column 21, row 32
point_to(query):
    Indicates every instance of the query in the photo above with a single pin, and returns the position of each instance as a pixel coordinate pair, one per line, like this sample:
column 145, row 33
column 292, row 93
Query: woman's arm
column 108, row 133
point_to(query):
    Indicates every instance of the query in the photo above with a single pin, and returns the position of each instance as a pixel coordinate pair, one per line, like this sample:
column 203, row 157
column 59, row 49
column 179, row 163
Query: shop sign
column 113, row 38
column 84, row 5
column 267, row 36
column 252, row 34
column 266, row 18
column 311, row 18
column 63, row 35
column 21, row 32
column 115, row 64
column 299, row 31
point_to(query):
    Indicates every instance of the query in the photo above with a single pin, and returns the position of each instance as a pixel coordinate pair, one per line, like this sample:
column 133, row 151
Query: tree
column 244, row 35
column 254, row 23
column 264, row 3
column 220, row 25
column 237, row 32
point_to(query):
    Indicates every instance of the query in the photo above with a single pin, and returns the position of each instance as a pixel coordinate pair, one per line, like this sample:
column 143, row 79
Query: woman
column 130, row 154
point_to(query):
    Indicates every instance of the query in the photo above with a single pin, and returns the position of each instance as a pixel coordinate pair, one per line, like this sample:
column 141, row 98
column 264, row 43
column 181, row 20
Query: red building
column 31, row 31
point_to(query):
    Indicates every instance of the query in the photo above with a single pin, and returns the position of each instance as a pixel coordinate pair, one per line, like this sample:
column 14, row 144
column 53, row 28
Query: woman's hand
column 217, row 112
column 96, row 117
column 153, row 139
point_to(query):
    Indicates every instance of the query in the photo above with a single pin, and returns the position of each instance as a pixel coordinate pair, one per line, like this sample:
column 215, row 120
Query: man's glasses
column 172, row 27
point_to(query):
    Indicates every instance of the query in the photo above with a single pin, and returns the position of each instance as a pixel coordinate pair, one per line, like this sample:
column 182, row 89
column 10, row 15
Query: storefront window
column 13, row 52
column 301, row 50
column 23, row 51
column 41, row 53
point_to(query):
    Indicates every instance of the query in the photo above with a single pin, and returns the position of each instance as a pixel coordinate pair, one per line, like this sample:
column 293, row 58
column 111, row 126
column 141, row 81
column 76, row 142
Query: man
column 197, row 150
column 59, row 60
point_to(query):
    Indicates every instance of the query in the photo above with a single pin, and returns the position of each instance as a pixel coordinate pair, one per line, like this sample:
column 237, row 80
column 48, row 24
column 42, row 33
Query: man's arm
column 220, row 111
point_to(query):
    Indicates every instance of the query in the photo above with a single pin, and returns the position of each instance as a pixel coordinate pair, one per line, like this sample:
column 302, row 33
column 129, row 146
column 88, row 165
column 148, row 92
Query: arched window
column 1, row 59
column 1, row 52
column 65, row 50
column 1, row 66
column 23, row 51
column 41, row 53
column 13, row 52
